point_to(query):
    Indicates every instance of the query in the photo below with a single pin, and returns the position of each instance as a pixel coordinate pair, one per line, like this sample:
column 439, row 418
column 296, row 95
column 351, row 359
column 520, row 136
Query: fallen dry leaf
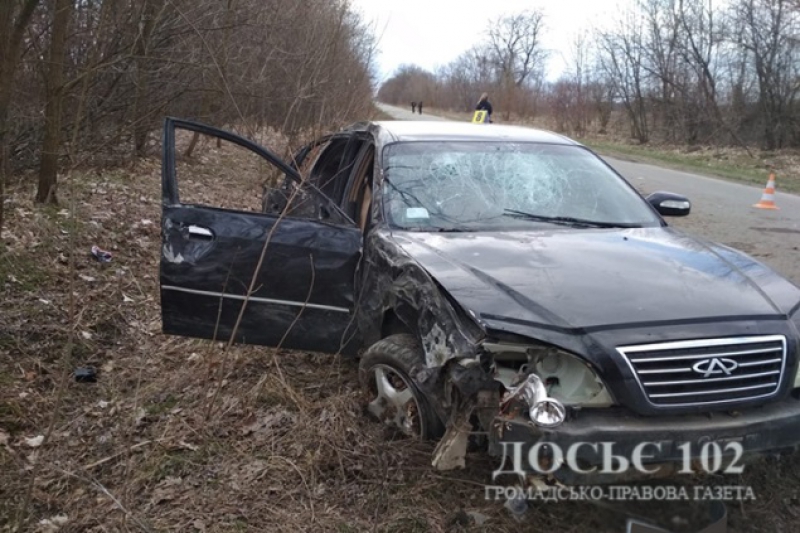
column 48, row 525
column 34, row 442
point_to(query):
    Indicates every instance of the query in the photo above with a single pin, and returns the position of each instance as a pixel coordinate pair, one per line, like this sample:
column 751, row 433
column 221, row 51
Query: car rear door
column 277, row 278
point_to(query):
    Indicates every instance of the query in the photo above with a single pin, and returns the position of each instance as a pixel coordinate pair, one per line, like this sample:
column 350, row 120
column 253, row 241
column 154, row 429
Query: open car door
column 302, row 283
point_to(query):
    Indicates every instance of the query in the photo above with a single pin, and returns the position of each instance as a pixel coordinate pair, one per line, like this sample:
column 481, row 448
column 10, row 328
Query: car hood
column 597, row 278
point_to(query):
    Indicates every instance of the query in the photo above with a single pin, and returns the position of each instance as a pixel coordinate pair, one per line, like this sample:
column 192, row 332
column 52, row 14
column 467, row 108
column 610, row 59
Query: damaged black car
column 500, row 285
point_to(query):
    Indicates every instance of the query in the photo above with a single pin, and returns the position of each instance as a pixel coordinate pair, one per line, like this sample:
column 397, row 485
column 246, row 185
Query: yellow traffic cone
column 768, row 198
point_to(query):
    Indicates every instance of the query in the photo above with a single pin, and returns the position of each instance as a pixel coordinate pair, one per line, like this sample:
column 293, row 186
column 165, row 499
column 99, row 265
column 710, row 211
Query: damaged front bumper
column 679, row 441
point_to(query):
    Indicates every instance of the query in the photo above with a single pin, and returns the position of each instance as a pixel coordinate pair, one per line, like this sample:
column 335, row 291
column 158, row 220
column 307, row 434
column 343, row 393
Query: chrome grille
column 709, row 371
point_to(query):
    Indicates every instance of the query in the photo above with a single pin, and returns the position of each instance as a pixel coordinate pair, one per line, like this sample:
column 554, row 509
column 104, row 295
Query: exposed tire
column 385, row 372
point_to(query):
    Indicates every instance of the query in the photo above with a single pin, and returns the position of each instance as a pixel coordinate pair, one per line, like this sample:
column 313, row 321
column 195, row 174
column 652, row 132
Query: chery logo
column 715, row 366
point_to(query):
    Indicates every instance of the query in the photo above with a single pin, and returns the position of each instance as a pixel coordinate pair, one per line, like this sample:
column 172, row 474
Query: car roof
column 412, row 130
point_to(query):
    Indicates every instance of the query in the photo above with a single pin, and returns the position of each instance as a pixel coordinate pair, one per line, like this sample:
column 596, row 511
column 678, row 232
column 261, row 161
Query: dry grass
column 134, row 451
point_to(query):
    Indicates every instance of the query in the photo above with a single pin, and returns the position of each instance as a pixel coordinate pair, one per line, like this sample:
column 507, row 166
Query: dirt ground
column 177, row 435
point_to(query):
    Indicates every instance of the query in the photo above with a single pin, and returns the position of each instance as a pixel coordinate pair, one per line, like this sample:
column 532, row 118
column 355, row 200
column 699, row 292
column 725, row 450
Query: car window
column 237, row 178
column 332, row 168
column 358, row 200
column 474, row 186
column 306, row 157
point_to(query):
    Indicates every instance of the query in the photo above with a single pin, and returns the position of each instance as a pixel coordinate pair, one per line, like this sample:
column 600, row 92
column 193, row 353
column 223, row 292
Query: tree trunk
column 141, row 113
column 5, row 98
column 51, row 145
column 3, row 163
column 11, row 33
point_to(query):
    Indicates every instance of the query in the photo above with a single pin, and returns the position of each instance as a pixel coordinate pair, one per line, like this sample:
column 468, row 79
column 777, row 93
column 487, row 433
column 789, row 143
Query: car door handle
column 199, row 232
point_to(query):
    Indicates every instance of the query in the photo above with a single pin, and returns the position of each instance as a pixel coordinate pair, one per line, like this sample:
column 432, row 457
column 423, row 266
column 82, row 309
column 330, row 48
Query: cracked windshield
column 466, row 186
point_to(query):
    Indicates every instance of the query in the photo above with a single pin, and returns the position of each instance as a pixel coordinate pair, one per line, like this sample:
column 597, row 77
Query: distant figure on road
column 413, row 107
column 484, row 105
column 419, row 105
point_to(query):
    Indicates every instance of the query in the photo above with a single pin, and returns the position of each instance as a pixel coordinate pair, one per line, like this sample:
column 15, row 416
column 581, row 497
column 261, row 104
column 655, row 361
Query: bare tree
column 14, row 20
column 108, row 71
column 769, row 29
column 464, row 79
column 48, row 170
column 702, row 46
column 577, row 111
column 517, row 52
column 623, row 60
column 683, row 72
column 410, row 83
column 601, row 93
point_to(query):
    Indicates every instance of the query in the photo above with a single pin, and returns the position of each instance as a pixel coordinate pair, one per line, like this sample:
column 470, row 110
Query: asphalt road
column 722, row 211
column 400, row 113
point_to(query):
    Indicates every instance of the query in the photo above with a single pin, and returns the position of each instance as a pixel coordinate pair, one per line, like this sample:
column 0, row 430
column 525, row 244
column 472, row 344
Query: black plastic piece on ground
column 86, row 375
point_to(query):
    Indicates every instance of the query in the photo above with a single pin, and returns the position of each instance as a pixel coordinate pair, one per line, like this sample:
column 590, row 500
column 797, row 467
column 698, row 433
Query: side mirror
column 670, row 204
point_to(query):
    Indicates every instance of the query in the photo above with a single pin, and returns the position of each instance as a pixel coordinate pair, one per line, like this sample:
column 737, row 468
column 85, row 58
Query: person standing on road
column 485, row 105
column 419, row 105
column 413, row 107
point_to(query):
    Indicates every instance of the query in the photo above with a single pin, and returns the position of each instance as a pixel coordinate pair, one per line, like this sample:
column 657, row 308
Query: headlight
column 566, row 377
column 544, row 410
column 572, row 381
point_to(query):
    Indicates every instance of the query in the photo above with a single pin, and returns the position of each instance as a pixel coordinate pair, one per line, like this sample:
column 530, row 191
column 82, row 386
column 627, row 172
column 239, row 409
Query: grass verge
column 735, row 167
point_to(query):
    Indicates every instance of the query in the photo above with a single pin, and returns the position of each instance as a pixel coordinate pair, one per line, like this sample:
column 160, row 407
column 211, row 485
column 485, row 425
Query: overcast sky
column 430, row 33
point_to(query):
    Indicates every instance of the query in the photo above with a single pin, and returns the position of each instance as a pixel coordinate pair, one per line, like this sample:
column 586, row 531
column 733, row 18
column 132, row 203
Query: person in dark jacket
column 413, row 107
column 419, row 106
column 485, row 105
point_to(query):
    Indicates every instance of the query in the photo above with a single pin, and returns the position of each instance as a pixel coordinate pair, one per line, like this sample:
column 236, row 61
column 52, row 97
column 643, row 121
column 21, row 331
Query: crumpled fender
column 399, row 284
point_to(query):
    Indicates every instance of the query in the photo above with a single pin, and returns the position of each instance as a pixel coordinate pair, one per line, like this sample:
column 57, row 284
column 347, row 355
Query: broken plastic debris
column 101, row 255
column 141, row 415
column 518, row 506
column 478, row 518
column 85, row 375
column 35, row 442
column 54, row 523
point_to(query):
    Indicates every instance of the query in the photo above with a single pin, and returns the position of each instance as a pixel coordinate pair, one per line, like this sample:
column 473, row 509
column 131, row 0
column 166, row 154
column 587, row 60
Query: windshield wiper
column 433, row 230
column 569, row 221
column 407, row 167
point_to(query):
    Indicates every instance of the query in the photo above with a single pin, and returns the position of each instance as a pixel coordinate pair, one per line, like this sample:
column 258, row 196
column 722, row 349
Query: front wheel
column 385, row 373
